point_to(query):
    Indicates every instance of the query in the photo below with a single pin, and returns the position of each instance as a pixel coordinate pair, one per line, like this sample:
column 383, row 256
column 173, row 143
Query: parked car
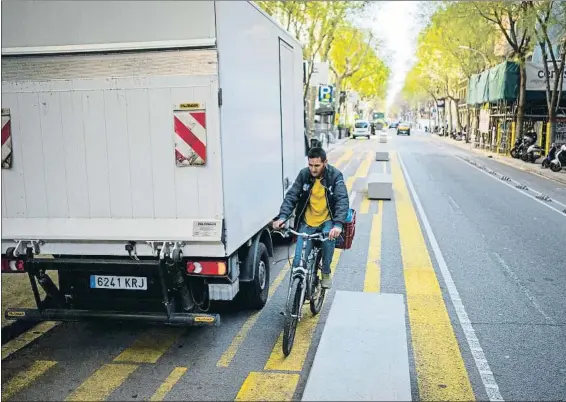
column 394, row 124
column 362, row 128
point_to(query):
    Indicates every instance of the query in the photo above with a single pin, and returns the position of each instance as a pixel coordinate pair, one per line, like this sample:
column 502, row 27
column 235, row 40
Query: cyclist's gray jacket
column 297, row 198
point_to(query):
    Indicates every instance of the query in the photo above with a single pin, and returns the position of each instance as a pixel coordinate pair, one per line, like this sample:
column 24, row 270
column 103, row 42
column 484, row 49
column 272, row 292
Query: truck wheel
column 254, row 293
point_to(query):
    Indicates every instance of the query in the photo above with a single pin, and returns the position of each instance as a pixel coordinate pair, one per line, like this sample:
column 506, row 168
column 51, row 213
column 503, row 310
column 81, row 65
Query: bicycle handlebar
column 317, row 236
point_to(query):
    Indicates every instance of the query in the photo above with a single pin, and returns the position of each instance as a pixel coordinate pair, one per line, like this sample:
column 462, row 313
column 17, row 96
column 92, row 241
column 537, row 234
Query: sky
column 398, row 24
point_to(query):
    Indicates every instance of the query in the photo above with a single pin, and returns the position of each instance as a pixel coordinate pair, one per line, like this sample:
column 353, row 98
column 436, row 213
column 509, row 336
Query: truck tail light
column 206, row 268
column 12, row 265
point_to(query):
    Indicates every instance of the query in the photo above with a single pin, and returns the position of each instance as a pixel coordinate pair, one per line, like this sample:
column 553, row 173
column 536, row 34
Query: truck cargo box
column 124, row 131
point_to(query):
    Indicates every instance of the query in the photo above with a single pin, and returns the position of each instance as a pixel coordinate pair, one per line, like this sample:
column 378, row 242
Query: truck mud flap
column 181, row 319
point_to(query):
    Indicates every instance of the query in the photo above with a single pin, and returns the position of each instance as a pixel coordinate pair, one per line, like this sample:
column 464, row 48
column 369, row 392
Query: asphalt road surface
column 480, row 263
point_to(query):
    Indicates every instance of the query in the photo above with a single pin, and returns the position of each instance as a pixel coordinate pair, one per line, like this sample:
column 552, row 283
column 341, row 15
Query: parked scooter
column 533, row 153
column 550, row 156
column 559, row 161
column 521, row 147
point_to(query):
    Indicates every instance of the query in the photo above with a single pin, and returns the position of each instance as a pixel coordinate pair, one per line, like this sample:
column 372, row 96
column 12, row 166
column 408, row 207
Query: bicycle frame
column 305, row 275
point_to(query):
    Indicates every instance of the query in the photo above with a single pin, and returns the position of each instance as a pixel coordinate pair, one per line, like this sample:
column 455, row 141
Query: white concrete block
column 380, row 186
column 363, row 353
column 382, row 156
column 383, row 138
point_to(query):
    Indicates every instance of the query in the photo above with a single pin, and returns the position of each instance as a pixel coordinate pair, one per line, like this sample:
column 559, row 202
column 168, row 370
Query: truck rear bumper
column 181, row 319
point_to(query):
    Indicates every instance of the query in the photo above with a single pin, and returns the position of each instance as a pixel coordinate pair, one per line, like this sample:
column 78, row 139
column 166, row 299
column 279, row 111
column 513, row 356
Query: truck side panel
column 251, row 117
column 94, row 146
column 64, row 23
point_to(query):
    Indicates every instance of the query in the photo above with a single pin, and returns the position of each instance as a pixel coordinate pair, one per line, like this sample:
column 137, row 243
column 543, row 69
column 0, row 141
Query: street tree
column 512, row 20
column 551, row 24
column 352, row 48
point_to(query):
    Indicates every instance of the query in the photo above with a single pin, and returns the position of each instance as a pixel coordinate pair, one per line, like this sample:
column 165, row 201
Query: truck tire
column 254, row 293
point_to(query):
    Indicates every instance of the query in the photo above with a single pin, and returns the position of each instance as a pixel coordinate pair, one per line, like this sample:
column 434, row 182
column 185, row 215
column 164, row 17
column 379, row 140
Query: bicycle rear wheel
column 317, row 291
column 292, row 310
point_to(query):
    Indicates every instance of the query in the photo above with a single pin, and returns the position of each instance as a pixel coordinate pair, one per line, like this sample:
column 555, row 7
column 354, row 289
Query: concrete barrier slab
column 382, row 156
column 363, row 354
column 380, row 186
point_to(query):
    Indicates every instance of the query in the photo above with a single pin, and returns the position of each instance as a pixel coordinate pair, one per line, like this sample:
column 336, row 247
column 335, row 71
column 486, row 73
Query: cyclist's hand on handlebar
column 278, row 224
column 334, row 233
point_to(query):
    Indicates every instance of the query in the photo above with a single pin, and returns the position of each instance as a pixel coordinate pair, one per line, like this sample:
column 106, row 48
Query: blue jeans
column 327, row 246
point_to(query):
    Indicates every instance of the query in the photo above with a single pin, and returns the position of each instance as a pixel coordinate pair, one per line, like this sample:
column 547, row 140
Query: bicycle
column 298, row 293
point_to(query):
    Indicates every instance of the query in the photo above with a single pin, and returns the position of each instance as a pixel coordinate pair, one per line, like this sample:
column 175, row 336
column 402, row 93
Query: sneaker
column 326, row 281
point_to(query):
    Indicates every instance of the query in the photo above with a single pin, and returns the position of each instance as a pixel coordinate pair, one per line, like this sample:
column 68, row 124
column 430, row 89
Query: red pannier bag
column 344, row 241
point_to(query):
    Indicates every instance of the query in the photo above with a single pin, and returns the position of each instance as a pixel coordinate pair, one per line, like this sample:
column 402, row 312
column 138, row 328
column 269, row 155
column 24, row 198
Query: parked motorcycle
column 559, row 161
column 521, row 147
column 517, row 147
column 550, row 156
column 533, row 153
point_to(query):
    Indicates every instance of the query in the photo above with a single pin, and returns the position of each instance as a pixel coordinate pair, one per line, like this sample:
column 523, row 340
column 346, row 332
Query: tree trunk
column 337, row 103
column 449, row 108
column 551, row 125
column 522, row 99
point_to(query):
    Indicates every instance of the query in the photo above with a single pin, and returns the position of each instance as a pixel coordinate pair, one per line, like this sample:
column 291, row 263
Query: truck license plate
column 118, row 282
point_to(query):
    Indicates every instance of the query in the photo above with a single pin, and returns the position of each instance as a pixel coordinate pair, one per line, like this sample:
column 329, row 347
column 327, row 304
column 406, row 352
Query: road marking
column 344, row 158
column 150, row 346
column 169, row 383
column 523, row 289
column 441, row 373
column 27, row 337
column 229, row 354
column 103, row 382
column 25, row 378
column 488, row 380
column 364, row 206
column 546, row 204
column 372, row 282
column 260, row 386
column 363, row 169
column 303, row 336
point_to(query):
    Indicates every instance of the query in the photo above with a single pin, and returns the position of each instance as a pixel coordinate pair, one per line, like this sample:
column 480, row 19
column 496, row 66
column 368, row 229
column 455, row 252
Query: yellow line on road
column 363, row 169
column 303, row 337
column 344, row 158
column 268, row 387
column 169, row 383
column 103, row 382
column 150, row 346
column 229, row 354
column 27, row 337
column 372, row 282
column 441, row 373
column 25, row 378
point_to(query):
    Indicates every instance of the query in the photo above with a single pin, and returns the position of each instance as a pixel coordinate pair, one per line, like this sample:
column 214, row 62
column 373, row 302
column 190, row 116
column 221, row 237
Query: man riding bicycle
column 320, row 199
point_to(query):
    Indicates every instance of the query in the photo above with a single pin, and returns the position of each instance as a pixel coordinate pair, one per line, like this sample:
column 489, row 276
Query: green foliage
column 325, row 30
column 457, row 43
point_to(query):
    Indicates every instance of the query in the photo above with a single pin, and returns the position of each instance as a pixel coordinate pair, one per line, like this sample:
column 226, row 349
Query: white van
column 362, row 128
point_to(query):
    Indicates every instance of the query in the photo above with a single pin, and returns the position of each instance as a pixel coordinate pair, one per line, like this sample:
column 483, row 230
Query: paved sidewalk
column 534, row 168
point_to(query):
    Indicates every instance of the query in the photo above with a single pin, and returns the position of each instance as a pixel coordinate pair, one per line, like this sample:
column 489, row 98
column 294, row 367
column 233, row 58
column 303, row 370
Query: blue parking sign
column 325, row 93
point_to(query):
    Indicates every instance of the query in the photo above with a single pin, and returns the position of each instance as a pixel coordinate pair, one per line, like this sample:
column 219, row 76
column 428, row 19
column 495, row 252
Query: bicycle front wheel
column 292, row 310
column 317, row 291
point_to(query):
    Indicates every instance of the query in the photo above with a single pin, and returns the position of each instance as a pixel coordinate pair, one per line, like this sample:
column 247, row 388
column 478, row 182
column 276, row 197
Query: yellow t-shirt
column 317, row 211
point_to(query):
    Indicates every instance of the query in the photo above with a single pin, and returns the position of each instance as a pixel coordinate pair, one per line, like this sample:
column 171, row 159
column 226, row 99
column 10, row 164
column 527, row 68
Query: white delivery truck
column 148, row 145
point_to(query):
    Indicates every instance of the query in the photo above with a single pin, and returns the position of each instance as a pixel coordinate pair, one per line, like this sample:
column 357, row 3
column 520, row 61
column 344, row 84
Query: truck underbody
column 164, row 289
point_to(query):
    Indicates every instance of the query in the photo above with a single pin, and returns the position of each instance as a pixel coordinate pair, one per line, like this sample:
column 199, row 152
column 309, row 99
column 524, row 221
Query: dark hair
column 317, row 153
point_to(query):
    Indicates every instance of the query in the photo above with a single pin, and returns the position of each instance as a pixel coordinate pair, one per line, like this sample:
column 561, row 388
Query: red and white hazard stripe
column 190, row 137
column 6, row 142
